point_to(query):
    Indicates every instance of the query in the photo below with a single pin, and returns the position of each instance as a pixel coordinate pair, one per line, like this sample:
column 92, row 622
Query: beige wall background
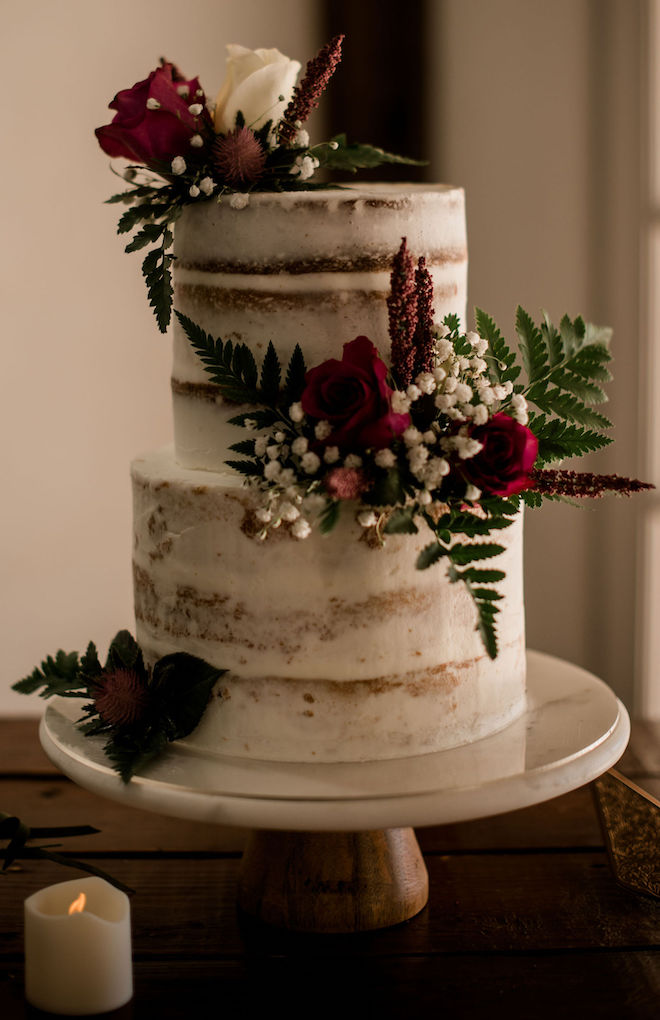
column 539, row 116
column 535, row 110
column 85, row 379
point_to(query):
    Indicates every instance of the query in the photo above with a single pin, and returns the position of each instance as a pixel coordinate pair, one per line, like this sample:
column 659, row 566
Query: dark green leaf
column 183, row 683
column 130, row 756
column 355, row 156
column 125, row 653
column 329, row 516
column 401, row 522
column 246, row 467
column 553, row 341
column 387, row 490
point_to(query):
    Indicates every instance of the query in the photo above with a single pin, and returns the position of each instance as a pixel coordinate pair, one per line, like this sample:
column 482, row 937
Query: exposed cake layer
column 335, row 650
column 309, row 268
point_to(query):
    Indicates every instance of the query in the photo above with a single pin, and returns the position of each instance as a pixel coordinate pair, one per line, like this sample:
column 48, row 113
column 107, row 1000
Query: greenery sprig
column 154, row 209
column 139, row 710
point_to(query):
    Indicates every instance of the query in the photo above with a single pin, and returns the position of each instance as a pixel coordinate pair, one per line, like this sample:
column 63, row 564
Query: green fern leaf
column 559, row 440
column 156, row 270
column 58, row 674
column 261, row 418
column 462, row 554
column 565, row 405
column 553, row 342
column 532, row 499
column 501, row 360
column 295, row 376
column 245, row 447
column 482, row 575
column 246, row 467
column 532, row 347
column 270, row 375
column 580, row 386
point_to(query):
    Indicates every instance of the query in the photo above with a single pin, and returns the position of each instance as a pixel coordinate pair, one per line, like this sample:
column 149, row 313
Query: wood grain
column 333, row 881
column 524, row 918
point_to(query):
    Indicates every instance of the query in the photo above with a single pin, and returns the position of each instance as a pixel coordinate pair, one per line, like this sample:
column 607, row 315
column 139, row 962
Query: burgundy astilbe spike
column 583, row 484
column 306, row 95
column 402, row 309
column 423, row 342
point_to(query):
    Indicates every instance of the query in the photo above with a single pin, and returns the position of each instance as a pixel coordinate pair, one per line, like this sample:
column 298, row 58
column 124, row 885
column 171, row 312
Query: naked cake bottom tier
column 334, row 650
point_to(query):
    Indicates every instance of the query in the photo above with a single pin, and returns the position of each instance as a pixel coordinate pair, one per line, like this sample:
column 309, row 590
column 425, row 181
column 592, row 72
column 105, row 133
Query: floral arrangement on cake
column 183, row 149
column 138, row 710
column 448, row 438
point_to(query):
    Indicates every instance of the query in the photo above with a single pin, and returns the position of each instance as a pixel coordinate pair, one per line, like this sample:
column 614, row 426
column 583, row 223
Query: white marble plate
column 574, row 729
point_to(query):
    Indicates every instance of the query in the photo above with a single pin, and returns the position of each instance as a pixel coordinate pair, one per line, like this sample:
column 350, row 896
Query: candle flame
column 78, row 904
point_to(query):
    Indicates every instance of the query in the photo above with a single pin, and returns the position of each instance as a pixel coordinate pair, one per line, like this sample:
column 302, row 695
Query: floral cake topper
column 183, row 149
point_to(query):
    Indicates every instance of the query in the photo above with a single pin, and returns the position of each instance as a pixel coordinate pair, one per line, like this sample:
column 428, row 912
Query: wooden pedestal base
column 333, row 881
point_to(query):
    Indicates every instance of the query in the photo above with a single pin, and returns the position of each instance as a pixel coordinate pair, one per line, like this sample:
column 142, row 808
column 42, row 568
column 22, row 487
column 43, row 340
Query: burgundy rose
column 153, row 120
column 502, row 467
column 353, row 396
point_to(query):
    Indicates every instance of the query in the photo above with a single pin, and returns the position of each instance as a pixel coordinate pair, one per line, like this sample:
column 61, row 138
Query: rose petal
column 257, row 97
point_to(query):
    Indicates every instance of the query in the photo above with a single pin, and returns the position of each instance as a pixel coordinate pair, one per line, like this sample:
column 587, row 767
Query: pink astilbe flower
column 583, row 484
column 239, row 158
column 402, row 309
column 346, row 483
column 306, row 96
column 121, row 697
column 423, row 342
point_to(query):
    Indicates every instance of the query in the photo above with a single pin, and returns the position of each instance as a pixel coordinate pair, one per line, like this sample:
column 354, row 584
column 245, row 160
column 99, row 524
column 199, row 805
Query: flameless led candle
column 78, row 948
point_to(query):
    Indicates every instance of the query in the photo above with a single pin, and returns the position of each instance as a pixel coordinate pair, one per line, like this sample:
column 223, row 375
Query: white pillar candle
column 78, row 963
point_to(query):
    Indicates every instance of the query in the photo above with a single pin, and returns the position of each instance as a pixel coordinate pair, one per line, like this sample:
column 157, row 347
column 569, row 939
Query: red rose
column 502, row 467
column 144, row 135
column 353, row 396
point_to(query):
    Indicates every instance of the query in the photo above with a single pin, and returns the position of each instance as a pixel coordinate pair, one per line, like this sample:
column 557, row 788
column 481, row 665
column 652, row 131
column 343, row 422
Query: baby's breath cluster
column 304, row 474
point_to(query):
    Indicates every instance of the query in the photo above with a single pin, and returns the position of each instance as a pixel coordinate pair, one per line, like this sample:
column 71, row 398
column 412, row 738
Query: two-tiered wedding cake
column 336, row 648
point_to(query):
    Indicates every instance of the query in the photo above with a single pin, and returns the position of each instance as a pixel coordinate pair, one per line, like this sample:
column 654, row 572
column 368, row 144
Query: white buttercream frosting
column 309, row 268
column 335, row 650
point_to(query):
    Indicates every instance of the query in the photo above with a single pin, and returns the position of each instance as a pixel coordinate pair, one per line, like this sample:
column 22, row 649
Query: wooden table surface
column 524, row 917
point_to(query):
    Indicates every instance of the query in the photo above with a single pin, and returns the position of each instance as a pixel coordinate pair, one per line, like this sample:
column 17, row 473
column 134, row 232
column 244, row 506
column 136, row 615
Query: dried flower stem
column 306, row 96
column 423, row 341
column 583, row 484
column 402, row 308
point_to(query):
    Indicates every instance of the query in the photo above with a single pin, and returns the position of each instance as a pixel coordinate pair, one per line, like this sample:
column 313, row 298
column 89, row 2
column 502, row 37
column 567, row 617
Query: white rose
column 255, row 81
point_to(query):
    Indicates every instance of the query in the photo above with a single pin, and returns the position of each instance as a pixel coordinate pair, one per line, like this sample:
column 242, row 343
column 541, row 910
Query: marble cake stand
column 334, row 847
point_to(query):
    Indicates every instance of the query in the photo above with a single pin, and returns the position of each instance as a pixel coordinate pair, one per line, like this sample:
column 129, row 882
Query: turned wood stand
column 333, row 881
